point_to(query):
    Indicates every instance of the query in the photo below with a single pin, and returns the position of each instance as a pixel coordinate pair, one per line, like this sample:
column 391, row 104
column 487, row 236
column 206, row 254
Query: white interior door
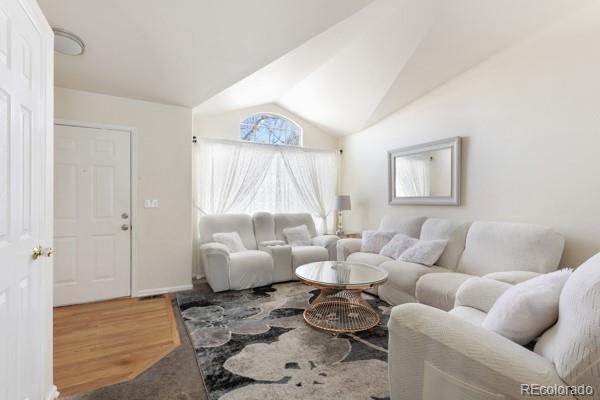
column 92, row 212
column 25, row 202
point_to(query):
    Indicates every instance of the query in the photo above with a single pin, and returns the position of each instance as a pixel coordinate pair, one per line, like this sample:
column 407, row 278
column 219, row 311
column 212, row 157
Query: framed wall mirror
column 426, row 174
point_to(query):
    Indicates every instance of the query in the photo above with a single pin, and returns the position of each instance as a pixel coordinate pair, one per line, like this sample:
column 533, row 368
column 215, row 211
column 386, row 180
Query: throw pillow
column 297, row 236
column 232, row 240
column 425, row 252
column 373, row 241
column 398, row 245
column 528, row 308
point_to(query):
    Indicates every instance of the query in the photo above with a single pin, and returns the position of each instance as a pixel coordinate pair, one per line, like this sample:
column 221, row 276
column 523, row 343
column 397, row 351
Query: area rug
column 254, row 344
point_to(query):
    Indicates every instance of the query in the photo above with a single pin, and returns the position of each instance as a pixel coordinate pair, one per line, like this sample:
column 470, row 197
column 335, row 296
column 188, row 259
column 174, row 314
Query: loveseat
column 449, row 355
column 505, row 251
column 267, row 258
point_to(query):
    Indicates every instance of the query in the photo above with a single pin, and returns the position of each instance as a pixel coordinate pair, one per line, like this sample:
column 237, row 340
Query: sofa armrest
column 268, row 243
column 480, row 293
column 435, row 355
column 512, row 277
column 347, row 246
column 327, row 241
column 215, row 258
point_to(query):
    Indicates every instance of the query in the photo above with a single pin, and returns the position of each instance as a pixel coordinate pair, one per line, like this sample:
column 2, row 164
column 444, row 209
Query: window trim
column 278, row 115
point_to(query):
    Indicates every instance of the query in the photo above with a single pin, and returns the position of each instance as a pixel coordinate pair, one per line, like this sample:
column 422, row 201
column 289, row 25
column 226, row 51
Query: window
column 270, row 129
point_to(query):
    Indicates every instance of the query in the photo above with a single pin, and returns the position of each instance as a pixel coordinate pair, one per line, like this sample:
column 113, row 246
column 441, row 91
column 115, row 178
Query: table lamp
column 342, row 204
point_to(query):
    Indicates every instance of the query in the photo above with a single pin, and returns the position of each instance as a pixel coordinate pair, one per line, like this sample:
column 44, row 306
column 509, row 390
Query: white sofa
column 439, row 355
column 268, row 259
column 509, row 251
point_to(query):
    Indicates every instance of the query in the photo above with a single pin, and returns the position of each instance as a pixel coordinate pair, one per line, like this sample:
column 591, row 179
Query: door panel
column 92, row 180
column 25, row 199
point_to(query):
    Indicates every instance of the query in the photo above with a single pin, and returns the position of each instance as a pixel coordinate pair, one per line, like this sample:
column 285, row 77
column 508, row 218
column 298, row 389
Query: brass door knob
column 39, row 251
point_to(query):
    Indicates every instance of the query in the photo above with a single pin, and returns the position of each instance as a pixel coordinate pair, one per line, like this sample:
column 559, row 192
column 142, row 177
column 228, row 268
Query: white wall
column 530, row 119
column 163, row 236
column 227, row 126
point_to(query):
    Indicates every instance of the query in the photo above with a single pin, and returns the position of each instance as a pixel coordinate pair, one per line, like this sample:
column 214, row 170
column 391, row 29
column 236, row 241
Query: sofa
column 448, row 355
column 268, row 258
column 500, row 250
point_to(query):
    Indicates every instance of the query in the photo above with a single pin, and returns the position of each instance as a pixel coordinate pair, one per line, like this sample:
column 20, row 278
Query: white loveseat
column 268, row 259
column 508, row 251
column 439, row 355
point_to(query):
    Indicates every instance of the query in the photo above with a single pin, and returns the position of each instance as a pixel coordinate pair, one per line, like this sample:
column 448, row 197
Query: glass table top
column 341, row 273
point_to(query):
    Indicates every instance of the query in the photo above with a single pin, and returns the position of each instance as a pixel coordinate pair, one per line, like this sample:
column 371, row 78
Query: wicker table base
column 341, row 311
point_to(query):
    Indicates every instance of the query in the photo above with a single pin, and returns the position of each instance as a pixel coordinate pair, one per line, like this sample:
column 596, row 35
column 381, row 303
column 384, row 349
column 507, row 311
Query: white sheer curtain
column 228, row 175
column 413, row 177
column 234, row 177
column 311, row 173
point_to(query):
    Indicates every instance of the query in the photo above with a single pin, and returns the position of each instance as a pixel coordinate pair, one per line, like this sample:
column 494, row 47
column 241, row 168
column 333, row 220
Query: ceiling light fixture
column 67, row 43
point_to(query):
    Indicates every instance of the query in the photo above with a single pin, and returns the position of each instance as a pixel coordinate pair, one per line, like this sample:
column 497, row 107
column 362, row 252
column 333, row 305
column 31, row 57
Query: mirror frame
column 454, row 144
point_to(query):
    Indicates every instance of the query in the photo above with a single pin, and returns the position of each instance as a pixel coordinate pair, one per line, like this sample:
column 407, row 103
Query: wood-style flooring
column 109, row 342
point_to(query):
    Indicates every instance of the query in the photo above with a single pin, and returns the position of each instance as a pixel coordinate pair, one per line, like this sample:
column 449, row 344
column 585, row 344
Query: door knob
column 39, row 251
column 124, row 227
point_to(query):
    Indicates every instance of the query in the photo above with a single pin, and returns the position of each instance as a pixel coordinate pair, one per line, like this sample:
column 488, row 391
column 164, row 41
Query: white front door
column 25, row 202
column 92, row 214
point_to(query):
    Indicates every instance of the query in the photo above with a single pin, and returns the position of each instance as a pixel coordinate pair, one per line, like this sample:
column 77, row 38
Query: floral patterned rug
column 254, row 344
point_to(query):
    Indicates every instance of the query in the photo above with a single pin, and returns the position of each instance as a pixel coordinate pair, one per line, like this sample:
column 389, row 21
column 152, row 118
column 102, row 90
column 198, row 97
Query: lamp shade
column 343, row 202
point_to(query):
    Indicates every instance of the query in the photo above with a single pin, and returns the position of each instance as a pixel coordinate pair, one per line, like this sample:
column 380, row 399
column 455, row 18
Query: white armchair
column 436, row 355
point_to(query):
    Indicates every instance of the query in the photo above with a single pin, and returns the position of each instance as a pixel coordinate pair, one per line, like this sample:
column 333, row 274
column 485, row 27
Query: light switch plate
column 151, row 203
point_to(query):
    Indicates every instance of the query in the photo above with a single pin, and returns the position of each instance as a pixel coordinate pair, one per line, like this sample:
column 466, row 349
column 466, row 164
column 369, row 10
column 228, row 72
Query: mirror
column 428, row 173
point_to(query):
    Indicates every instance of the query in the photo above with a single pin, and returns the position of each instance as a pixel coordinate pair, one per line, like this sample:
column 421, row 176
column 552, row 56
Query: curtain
column 228, row 175
column 311, row 173
column 237, row 177
column 413, row 177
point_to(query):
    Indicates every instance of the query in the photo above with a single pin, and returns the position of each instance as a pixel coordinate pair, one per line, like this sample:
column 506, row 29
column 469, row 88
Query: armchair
column 434, row 354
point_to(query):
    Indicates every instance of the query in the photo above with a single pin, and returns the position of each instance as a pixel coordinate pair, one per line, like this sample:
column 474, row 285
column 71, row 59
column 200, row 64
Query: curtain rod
column 276, row 146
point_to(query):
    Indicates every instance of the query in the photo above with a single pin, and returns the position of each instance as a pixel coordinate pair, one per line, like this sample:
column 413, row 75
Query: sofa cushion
column 287, row 220
column 404, row 275
column 297, row 236
column 367, row 258
column 374, row 241
column 425, row 252
column 307, row 254
column 231, row 240
column 469, row 314
column 439, row 290
column 240, row 223
column 251, row 268
column 398, row 245
column 410, row 226
column 527, row 309
column 455, row 232
column 500, row 246
column 264, row 227
column 573, row 343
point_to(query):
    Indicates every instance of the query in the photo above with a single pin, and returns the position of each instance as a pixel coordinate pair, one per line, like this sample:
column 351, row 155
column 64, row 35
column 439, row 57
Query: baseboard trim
column 53, row 394
column 163, row 290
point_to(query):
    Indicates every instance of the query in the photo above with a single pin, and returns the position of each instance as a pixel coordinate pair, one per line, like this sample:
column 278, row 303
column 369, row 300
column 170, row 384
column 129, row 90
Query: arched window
column 270, row 129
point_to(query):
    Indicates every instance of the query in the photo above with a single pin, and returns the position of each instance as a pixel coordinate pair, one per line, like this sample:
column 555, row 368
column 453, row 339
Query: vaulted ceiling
column 182, row 51
column 386, row 56
column 341, row 64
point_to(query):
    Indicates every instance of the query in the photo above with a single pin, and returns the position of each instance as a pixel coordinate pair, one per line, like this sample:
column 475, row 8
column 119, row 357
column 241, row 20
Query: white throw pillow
column 373, row 241
column 297, row 236
column 232, row 240
column 425, row 252
column 528, row 308
column 398, row 245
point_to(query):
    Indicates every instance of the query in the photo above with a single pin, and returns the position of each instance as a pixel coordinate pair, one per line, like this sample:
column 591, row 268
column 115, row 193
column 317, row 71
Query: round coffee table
column 340, row 307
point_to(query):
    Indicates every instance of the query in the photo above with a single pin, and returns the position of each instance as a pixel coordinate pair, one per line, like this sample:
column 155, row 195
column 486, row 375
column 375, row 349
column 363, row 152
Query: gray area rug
column 254, row 344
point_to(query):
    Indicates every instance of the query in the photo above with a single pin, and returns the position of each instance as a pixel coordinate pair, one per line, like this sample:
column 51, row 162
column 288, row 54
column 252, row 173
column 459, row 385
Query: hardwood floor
column 109, row 342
